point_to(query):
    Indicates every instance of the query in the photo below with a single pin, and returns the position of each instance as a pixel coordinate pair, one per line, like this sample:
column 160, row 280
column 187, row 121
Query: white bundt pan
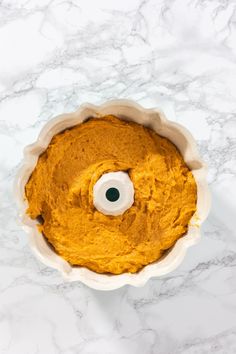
column 130, row 111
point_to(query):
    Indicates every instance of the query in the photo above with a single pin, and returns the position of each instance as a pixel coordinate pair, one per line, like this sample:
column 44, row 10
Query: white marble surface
column 178, row 55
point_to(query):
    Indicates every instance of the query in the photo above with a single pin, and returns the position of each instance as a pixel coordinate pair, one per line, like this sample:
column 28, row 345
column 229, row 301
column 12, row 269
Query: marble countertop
column 176, row 55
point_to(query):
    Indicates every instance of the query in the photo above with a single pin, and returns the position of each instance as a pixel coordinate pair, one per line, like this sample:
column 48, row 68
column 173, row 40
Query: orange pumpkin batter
column 60, row 190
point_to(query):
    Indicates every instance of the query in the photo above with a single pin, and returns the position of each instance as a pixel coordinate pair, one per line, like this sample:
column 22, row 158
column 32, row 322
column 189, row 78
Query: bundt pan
column 131, row 111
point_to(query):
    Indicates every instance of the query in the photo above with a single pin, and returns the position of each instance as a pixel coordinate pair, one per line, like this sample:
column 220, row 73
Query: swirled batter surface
column 60, row 190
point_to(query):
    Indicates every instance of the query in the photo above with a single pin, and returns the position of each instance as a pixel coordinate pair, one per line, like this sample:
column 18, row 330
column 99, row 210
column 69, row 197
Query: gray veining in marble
column 177, row 55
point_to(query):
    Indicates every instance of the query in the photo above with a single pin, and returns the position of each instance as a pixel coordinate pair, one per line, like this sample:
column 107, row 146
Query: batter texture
column 60, row 191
